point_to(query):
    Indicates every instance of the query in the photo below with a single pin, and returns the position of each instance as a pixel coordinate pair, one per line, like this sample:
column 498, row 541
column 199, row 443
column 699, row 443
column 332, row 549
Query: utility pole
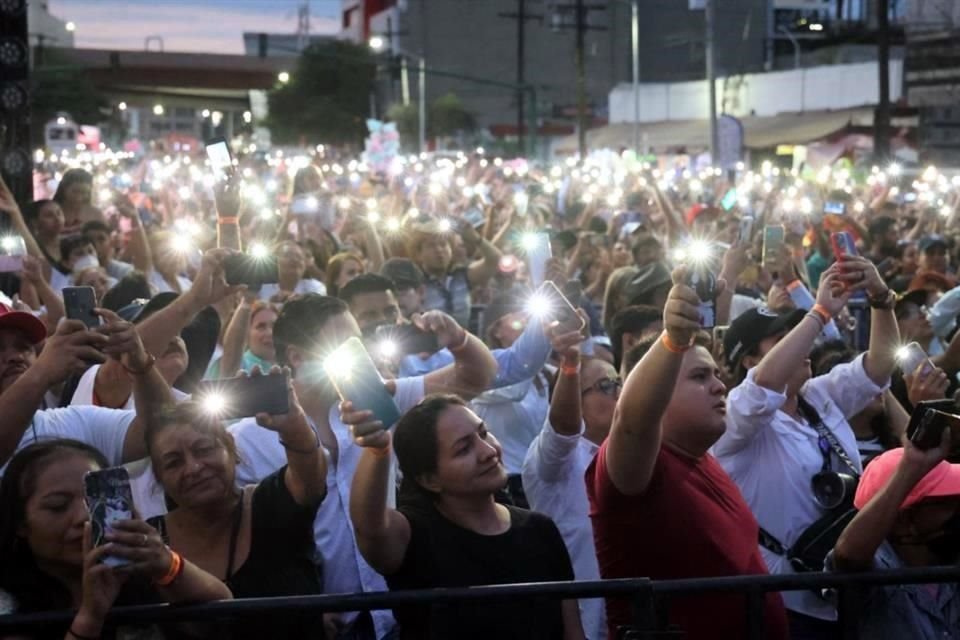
column 881, row 124
column 581, row 11
column 521, row 16
column 708, row 15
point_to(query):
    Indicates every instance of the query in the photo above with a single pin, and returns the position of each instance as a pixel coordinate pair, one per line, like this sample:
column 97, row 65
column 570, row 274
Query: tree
column 449, row 117
column 327, row 97
column 407, row 123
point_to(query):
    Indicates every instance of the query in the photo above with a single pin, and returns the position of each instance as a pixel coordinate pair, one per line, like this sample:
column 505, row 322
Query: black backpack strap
column 771, row 544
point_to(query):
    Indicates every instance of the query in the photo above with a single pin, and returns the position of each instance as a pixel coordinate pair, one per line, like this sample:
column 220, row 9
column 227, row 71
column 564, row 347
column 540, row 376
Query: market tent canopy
column 694, row 135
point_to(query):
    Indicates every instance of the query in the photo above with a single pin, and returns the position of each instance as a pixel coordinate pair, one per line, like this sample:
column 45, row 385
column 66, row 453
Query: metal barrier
column 648, row 596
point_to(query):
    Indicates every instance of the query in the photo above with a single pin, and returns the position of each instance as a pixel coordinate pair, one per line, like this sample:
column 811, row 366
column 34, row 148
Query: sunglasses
column 607, row 386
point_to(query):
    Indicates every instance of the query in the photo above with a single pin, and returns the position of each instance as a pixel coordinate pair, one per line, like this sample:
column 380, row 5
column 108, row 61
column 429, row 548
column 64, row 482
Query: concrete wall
column 762, row 94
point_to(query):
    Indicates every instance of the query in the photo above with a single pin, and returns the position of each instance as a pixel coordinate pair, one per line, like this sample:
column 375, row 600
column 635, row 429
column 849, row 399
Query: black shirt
column 442, row 554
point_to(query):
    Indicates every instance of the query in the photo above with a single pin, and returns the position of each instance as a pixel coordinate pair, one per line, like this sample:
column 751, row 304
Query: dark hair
column 335, row 266
column 31, row 211
column 415, row 441
column 192, row 414
column 300, row 178
column 94, row 226
column 825, row 356
column 133, row 286
column 70, row 178
column 300, row 319
column 633, row 319
column 70, row 243
column 19, row 574
column 365, row 283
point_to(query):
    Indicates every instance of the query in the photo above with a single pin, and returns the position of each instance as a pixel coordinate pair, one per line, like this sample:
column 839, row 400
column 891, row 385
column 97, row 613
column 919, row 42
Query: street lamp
column 283, row 77
column 122, row 106
column 378, row 43
column 158, row 110
column 70, row 26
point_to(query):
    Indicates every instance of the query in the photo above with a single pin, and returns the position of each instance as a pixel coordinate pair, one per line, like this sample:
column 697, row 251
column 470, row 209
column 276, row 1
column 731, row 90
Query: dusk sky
column 213, row 26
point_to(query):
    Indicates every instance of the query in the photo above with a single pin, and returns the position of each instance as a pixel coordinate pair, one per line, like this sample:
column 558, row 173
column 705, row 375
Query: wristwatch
column 886, row 300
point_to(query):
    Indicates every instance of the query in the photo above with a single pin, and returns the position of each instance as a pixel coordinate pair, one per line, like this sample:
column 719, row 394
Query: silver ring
column 146, row 539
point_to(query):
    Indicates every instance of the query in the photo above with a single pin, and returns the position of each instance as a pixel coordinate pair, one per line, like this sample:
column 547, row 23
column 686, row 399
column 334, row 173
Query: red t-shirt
column 691, row 522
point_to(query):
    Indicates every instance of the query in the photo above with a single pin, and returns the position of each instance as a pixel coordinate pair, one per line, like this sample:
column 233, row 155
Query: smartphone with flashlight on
column 843, row 244
column 12, row 250
column 911, row 356
column 245, row 396
column 404, row 339
column 772, row 244
column 701, row 279
column 253, row 271
column 355, row 378
column 219, row 155
column 109, row 499
column 549, row 303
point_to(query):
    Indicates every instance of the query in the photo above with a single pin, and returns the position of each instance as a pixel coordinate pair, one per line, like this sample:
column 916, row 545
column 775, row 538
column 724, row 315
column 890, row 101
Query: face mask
column 85, row 262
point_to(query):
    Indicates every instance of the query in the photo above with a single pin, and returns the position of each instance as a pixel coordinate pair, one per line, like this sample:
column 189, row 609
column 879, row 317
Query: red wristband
column 672, row 346
column 821, row 311
column 228, row 220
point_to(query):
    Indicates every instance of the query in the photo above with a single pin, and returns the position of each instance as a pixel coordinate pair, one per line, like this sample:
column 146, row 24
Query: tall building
column 46, row 29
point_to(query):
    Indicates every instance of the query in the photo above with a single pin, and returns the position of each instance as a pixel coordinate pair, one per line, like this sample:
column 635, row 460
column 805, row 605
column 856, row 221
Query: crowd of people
column 600, row 369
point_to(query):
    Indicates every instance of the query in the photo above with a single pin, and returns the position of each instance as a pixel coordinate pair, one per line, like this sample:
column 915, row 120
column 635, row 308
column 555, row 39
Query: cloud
column 115, row 24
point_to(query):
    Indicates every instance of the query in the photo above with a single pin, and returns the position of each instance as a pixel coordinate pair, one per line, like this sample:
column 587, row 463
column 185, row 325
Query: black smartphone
column 355, row 378
column 79, row 303
column 927, row 422
column 245, row 396
column 704, row 283
column 253, row 271
column 408, row 338
column 109, row 498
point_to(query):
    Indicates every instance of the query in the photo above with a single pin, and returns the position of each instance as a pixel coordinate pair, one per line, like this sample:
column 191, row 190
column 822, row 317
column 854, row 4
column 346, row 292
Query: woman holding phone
column 447, row 530
column 258, row 539
column 47, row 561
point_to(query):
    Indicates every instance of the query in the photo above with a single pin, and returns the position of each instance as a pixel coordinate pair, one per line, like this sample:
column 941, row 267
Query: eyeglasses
column 607, row 386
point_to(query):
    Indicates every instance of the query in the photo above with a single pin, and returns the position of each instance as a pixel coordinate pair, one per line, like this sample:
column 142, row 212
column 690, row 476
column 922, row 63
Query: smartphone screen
column 245, row 396
column 911, row 357
column 843, row 244
column 355, row 377
column 12, row 250
column 474, row 217
column 729, row 200
column 555, row 306
column 219, row 154
column 109, row 499
column 772, row 244
column 835, row 208
column 79, row 303
column 538, row 252
column 746, row 230
column 253, row 271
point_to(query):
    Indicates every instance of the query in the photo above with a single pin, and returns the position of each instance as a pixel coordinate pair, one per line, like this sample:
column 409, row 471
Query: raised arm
column 69, row 351
column 306, row 476
column 9, row 206
column 480, row 271
column 866, row 532
column 383, row 534
column 33, row 274
column 235, row 337
column 138, row 247
column 778, row 366
column 881, row 361
column 635, row 435
column 473, row 365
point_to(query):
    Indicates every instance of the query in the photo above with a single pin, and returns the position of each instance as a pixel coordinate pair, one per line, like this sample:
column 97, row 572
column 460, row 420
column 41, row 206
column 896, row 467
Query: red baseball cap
column 942, row 481
column 22, row 321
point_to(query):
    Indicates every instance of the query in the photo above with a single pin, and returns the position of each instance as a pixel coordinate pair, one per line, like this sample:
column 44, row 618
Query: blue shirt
column 450, row 295
column 915, row 611
column 521, row 361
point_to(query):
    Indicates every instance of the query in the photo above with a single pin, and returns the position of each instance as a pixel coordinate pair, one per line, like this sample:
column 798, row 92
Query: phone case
column 79, row 303
column 360, row 382
column 246, row 396
column 241, row 268
column 563, row 312
column 843, row 244
column 109, row 499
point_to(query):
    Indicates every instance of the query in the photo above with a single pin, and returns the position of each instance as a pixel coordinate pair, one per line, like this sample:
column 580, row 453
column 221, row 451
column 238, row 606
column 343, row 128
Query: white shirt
column 307, row 285
column 553, row 473
column 344, row 568
column 772, row 457
column 148, row 495
column 103, row 429
column 159, row 285
column 514, row 415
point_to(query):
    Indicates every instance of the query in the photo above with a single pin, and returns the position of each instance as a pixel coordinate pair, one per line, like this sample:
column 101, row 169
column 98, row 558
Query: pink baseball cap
column 31, row 326
column 942, row 481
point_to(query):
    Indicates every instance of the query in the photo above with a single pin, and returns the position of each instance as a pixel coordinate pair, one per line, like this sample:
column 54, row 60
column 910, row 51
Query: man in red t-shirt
column 661, row 506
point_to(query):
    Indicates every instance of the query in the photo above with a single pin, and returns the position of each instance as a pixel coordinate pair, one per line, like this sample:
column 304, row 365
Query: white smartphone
column 12, row 250
column 219, row 154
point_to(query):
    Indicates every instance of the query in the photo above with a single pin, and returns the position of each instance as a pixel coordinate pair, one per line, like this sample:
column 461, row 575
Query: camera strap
column 826, row 435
